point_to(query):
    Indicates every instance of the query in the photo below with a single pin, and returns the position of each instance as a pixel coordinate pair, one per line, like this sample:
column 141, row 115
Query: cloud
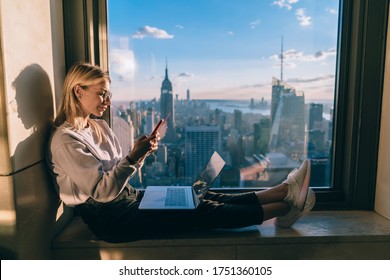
column 285, row 3
column 179, row 26
column 311, row 80
column 294, row 55
column 185, row 75
column 230, row 33
column 239, row 91
column 255, row 85
column 154, row 77
column 122, row 64
column 332, row 11
column 182, row 81
column 324, row 54
column 286, row 65
column 319, row 87
column 154, row 32
column 303, row 19
column 254, row 24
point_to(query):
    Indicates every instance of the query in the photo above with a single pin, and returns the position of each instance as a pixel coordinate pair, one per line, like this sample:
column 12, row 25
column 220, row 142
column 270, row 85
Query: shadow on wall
column 36, row 199
column 34, row 106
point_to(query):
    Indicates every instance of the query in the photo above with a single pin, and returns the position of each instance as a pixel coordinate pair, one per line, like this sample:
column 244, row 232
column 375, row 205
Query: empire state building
column 166, row 100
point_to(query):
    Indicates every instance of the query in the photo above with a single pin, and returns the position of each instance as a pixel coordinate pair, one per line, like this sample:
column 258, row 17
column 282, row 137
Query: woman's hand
column 144, row 146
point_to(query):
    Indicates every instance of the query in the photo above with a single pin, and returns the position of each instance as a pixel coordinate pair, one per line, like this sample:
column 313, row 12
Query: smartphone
column 158, row 126
column 160, row 123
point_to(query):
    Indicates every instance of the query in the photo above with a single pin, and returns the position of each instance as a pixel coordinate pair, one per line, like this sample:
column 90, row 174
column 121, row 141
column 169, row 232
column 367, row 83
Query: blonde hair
column 70, row 110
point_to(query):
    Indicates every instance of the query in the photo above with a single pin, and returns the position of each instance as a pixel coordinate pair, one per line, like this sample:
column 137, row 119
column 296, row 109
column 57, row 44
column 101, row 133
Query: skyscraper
column 277, row 89
column 200, row 143
column 134, row 118
column 149, row 121
column 317, row 150
column 261, row 136
column 316, row 130
column 288, row 120
column 167, row 108
column 315, row 116
column 238, row 120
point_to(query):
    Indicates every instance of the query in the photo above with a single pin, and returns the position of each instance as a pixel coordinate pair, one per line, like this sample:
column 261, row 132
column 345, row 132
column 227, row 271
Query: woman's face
column 95, row 99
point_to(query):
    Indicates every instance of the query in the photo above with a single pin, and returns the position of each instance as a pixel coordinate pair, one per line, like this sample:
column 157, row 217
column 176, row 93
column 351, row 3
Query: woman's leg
column 271, row 200
column 291, row 200
column 275, row 209
column 228, row 210
column 274, row 194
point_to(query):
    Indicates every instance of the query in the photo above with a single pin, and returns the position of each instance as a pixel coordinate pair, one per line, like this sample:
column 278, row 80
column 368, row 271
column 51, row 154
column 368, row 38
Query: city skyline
column 232, row 51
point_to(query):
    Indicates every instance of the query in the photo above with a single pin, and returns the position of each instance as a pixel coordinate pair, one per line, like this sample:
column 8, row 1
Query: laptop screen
column 208, row 174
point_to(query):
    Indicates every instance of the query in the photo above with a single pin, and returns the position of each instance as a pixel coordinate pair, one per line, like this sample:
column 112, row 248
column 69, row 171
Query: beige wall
column 32, row 56
column 32, row 68
column 382, row 195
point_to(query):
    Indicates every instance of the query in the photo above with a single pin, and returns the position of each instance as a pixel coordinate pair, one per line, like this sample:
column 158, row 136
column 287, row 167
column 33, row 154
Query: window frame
column 358, row 96
column 86, row 34
column 358, row 104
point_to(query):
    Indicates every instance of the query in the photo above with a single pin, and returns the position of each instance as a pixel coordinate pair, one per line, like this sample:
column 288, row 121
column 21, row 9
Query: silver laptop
column 183, row 197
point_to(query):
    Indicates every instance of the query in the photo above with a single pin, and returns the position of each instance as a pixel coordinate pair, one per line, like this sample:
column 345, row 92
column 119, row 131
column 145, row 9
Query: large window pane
column 253, row 79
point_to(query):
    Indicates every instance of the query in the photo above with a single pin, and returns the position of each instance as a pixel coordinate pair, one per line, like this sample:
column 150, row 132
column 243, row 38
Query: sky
column 222, row 49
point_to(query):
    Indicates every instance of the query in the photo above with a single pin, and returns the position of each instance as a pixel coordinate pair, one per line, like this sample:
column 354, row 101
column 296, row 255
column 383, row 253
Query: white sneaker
column 292, row 172
column 298, row 186
column 294, row 214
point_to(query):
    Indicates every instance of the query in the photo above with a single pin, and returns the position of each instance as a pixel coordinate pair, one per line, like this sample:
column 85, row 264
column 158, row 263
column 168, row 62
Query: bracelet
column 132, row 162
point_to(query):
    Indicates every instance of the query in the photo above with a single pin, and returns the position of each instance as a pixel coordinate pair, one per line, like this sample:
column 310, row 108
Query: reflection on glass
column 209, row 174
column 255, row 85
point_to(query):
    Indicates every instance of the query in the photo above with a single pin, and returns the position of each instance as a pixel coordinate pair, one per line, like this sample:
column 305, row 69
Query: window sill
column 319, row 235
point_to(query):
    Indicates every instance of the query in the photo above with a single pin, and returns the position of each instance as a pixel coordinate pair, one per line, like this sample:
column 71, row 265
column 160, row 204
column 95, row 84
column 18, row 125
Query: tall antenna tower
column 281, row 62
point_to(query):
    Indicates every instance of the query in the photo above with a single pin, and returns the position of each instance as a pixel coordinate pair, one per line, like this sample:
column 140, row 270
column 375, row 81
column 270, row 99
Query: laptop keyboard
column 176, row 197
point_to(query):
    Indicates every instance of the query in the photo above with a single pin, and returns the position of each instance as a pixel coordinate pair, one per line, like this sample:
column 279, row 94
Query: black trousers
column 120, row 220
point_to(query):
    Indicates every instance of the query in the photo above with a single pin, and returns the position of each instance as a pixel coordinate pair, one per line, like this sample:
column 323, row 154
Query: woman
column 92, row 175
